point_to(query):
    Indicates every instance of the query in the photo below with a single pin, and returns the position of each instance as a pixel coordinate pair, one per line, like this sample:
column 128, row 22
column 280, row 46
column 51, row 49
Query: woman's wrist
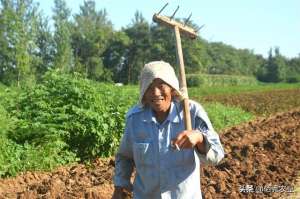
column 201, row 144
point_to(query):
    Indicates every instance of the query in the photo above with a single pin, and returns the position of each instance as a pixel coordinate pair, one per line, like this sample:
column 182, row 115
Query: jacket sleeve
column 124, row 161
column 214, row 150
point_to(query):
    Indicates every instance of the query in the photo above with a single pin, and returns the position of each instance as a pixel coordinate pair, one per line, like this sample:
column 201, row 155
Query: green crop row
column 194, row 80
column 203, row 91
column 223, row 116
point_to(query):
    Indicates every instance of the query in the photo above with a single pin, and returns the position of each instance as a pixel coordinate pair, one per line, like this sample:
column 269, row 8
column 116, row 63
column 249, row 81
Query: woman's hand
column 189, row 139
column 120, row 193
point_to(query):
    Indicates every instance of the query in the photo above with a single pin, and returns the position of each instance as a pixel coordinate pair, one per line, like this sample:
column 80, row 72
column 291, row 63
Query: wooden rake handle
column 187, row 31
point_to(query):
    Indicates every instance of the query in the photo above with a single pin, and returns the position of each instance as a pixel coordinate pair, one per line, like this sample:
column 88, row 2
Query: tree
column 115, row 55
column 281, row 67
column 45, row 47
column 90, row 38
column 139, row 50
column 18, row 41
column 7, row 66
column 63, row 55
column 162, row 44
column 293, row 70
column 275, row 68
column 250, row 62
column 195, row 55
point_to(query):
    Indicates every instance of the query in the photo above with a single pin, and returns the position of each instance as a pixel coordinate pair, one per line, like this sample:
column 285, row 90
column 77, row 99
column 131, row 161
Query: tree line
column 87, row 43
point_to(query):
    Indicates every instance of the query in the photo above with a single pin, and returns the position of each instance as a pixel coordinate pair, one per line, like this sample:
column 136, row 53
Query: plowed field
column 262, row 160
column 259, row 103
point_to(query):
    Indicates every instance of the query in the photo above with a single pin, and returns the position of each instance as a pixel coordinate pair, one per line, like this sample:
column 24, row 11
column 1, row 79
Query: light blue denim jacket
column 162, row 171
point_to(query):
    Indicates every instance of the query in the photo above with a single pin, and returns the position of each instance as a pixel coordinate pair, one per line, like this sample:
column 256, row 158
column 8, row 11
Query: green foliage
column 87, row 43
column 67, row 117
column 201, row 91
column 275, row 68
column 2, row 88
column 225, row 116
column 114, row 56
column 9, row 157
column 91, row 35
column 162, row 44
column 5, row 94
column 17, row 42
column 4, row 120
column 193, row 80
column 15, row 158
column 63, row 119
column 294, row 65
column 225, row 59
column 293, row 78
column 45, row 47
column 70, row 109
column 139, row 50
column 63, row 58
column 219, row 80
column 293, row 70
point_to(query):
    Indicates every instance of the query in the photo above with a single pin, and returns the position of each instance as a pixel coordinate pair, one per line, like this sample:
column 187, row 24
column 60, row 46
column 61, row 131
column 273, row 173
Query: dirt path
column 262, row 160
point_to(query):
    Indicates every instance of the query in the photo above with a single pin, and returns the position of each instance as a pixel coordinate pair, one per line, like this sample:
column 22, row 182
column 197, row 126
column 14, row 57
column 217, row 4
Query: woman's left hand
column 189, row 139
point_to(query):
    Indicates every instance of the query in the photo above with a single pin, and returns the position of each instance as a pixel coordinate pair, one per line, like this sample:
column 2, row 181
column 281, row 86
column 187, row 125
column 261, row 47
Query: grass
column 223, row 116
column 214, row 90
column 220, row 80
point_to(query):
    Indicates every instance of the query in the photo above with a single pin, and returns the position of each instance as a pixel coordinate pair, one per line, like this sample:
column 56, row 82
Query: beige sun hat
column 161, row 70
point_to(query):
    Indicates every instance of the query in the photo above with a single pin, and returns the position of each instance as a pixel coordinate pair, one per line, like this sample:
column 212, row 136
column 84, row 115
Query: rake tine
column 187, row 20
column 200, row 27
column 162, row 8
column 174, row 13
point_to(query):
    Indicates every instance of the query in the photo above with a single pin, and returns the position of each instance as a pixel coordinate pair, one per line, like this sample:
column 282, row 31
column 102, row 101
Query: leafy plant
column 70, row 109
column 15, row 158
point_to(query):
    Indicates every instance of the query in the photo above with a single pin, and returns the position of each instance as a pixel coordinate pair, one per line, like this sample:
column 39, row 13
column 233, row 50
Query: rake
column 179, row 28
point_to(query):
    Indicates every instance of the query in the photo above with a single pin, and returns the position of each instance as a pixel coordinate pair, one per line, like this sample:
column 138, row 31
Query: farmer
column 166, row 156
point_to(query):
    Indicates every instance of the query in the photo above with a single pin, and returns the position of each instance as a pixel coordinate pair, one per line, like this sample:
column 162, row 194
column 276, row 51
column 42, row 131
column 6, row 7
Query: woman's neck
column 161, row 116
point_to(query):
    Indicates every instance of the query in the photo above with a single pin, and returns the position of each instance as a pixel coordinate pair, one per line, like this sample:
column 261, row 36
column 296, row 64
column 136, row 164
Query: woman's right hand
column 120, row 193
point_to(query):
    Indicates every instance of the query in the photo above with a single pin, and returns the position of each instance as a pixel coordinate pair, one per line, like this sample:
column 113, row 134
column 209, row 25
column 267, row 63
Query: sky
column 257, row 25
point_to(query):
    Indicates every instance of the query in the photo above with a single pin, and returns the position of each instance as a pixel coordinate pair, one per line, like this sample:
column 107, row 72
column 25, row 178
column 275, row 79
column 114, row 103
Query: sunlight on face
column 159, row 96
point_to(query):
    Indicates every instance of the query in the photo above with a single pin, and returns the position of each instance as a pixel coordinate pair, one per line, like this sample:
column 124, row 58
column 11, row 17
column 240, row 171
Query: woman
column 166, row 156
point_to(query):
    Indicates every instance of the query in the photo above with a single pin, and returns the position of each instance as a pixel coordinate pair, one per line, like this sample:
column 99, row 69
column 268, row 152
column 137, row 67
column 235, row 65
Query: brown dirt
column 264, row 154
column 259, row 103
column 260, row 154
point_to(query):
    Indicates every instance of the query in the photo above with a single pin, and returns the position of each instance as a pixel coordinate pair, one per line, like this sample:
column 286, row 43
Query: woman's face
column 159, row 96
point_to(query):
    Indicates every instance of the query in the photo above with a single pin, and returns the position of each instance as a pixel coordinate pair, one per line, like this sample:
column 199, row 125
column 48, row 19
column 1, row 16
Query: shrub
column 15, row 158
column 293, row 79
column 193, row 81
column 72, row 110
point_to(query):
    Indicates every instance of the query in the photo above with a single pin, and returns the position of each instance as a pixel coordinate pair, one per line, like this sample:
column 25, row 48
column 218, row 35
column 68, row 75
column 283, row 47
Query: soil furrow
column 262, row 161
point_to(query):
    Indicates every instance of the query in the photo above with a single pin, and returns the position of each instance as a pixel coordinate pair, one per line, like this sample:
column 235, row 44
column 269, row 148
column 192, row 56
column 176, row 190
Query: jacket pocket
column 182, row 157
column 143, row 153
